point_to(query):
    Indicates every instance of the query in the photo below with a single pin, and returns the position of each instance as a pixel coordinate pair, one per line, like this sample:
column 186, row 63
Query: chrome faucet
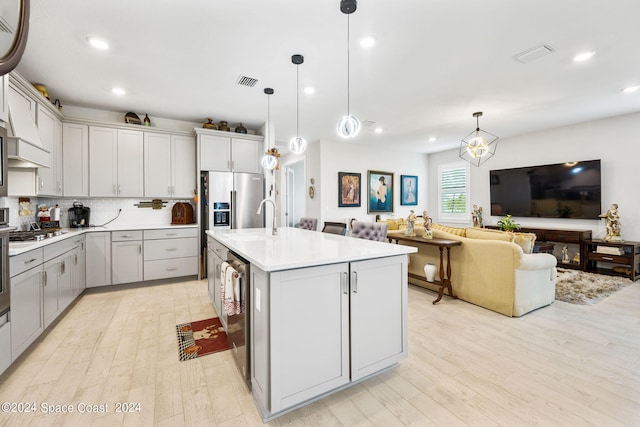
column 274, row 230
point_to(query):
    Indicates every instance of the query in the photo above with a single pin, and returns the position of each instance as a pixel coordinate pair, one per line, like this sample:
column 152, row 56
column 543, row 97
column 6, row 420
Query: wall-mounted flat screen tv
column 562, row 190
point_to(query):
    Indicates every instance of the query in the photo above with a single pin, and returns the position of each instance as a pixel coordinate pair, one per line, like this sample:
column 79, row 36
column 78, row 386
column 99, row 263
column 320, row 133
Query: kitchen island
column 325, row 312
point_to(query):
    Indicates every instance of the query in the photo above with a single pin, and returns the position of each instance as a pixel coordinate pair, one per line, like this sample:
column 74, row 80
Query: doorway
column 293, row 193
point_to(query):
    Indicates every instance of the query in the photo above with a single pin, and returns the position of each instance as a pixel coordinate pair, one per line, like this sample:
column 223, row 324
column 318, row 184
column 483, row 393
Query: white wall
column 613, row 140
column 345, row 156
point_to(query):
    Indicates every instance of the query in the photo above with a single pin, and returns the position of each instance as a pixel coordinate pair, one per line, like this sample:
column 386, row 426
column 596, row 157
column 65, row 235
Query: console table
column 443, row 245
column 578, row 237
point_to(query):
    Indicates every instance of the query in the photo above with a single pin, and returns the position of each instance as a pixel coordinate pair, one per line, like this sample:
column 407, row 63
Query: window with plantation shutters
column 453, row 190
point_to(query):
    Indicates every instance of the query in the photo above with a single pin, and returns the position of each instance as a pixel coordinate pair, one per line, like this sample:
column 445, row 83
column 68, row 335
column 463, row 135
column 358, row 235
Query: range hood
column 24, row 147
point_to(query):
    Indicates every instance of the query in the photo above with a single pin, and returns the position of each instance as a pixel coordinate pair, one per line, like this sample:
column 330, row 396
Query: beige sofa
column 488, row 269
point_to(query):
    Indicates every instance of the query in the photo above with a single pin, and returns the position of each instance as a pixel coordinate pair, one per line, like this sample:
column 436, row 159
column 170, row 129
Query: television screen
column 563, row 190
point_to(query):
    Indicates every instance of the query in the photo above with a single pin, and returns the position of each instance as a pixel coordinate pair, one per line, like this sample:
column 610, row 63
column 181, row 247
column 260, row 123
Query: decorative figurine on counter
column 476, row 216
column 411, row 222
column 428, row 233
column 565, row 254
column 612, row 222
column 43, row 213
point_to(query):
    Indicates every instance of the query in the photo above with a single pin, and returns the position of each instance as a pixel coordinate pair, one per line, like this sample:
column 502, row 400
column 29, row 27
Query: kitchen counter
column 17, row 248
column 297, row 248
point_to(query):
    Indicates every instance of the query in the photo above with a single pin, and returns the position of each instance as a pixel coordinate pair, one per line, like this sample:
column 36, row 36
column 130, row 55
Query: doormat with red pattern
column 196, row 339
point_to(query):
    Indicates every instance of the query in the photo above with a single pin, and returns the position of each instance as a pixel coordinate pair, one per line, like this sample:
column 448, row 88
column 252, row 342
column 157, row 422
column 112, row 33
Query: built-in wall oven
column 4, row 261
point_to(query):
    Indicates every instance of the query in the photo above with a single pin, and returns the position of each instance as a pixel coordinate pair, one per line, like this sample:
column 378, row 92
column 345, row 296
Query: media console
column 569, row 237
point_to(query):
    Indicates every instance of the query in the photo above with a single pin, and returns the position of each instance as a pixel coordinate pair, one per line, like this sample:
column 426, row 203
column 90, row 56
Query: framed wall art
column 380, row 191
column 409, row 190
column 348, row 189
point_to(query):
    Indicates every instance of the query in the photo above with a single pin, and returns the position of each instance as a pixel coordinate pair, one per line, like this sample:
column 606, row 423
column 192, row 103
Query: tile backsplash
column 102, row 211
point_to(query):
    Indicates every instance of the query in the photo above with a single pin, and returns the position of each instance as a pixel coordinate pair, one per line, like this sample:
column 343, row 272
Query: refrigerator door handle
column 233, row 209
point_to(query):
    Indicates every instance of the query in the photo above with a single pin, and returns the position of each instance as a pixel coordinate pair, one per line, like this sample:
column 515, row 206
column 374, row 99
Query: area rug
column 196, row 339
column 580, row 287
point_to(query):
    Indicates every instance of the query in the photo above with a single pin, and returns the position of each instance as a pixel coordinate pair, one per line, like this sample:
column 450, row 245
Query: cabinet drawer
column 123, row 236
column 56, row 249
column 23, row 262
column 170, row 248
column 559, row 236
column 218, row 248
column 616, row 259
column 162, row 268
column 170, row 233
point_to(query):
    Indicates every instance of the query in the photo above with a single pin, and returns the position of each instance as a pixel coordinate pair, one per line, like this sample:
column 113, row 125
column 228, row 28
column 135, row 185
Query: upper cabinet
column 115, row 162
column 49, row 180
column 222, row 151
column 169, row 165
column 75, row 160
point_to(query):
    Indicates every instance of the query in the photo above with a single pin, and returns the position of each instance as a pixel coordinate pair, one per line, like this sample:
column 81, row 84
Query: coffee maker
column 79, row 215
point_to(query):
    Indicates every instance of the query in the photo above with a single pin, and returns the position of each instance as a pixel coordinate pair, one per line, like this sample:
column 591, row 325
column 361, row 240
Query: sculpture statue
column 411, row 221
column 428, row 234
column 476, row 216
column 612, row 222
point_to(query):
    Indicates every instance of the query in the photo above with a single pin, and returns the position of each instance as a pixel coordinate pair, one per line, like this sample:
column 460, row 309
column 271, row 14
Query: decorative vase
column 241, row 129
column 147, row 120
column 210, row 125
column 224, row 126
column 430, row 272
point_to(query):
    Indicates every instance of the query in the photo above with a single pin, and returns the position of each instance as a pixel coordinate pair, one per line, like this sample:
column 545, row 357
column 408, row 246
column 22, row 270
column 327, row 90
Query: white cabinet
column 169, row 165
column 115, row 162
column 5, row 343
column 317, row 329
column 78, row 272
column 49, row 180
column 75, row 160
column 126, row 257
column 229, row 153
column 98, row 259
column 170, row 253
column 4, row 98
column 26, row 304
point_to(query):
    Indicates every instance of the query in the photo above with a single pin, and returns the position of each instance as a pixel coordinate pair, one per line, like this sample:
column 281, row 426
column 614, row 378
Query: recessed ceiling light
column 309, row 90
column 432, row 139
column 368, row 41
column 98, row 43
column 118, row 91
column 631, row 89
column 584, row 56
column 378, row 130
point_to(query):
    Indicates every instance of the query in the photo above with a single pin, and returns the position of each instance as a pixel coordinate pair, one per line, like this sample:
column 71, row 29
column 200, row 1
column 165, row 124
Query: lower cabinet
column 78, row 269
column 318, row 329
column 98, row 258
column 126, row 257
column 26, row 308
column 5, row 343
column 170, row 253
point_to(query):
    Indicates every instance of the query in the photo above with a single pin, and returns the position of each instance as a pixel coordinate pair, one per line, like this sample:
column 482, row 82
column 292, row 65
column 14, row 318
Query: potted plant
column 507, row 224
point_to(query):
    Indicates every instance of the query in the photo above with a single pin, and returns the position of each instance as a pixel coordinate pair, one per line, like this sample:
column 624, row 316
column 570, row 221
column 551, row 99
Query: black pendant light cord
column 297, row 101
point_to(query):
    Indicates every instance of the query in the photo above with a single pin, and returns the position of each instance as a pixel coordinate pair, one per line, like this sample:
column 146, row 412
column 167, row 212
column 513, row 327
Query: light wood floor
column 563, row 365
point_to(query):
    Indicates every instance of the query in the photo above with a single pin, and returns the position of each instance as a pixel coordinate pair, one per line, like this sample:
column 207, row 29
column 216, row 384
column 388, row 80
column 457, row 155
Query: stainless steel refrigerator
column 229, row 200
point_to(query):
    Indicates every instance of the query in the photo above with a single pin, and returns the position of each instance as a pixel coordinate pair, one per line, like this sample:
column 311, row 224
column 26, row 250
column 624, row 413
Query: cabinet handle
column 44, row 278
column 228, row 164
column 77, row 241
column 63, row 267
column 345, row 283
column 606, row 258
column 30, row 261
column 75, row 259
column 127, row 236
column 171, row 249
column 114, row 190
column 354, row 285
column 171, row 234
column 172, row 268
column 139, row 249
column 59, row 187
column 118, row 188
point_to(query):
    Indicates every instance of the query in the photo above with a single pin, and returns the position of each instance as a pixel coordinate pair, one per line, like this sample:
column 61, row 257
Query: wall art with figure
column 380, row 191
column 348, row 189
column 409, row 190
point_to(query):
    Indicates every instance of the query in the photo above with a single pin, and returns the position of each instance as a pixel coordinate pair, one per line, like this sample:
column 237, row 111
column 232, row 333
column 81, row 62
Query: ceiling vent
column 534, row 53
column 246, row 81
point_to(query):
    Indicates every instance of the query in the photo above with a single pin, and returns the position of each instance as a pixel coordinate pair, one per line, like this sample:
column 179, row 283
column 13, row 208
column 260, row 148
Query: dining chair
column 335, row 228
column 369, row 230
column 308, row 224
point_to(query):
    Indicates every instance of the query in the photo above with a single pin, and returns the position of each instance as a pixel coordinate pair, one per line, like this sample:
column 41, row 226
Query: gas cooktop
column 22, row 236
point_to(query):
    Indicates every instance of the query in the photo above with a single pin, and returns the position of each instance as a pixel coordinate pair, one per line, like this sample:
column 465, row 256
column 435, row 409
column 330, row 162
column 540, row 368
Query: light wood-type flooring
column 562, row 365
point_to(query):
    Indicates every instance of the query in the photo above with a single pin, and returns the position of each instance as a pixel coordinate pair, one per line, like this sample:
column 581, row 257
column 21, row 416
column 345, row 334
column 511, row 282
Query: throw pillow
column 451, row 230
column 488, row 234
column 525, row 240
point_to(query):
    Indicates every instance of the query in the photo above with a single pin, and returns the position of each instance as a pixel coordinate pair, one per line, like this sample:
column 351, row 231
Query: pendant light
column 479, row 146
column 349, row 126
column 297, row 144
column 270, row 159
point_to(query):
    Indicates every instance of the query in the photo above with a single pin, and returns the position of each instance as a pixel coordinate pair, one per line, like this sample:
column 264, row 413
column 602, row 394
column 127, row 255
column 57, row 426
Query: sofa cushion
column 525, row 240
column 488, row 234
column 451, row 230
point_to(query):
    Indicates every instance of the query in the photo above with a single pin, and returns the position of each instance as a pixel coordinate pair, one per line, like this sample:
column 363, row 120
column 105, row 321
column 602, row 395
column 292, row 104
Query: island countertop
column 297, row 248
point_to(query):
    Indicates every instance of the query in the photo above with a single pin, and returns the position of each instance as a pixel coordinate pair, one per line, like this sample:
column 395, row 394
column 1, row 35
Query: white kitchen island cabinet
column 326, row 311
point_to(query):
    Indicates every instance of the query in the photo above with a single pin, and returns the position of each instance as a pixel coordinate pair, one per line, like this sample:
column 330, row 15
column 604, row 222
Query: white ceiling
column 435, row 63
